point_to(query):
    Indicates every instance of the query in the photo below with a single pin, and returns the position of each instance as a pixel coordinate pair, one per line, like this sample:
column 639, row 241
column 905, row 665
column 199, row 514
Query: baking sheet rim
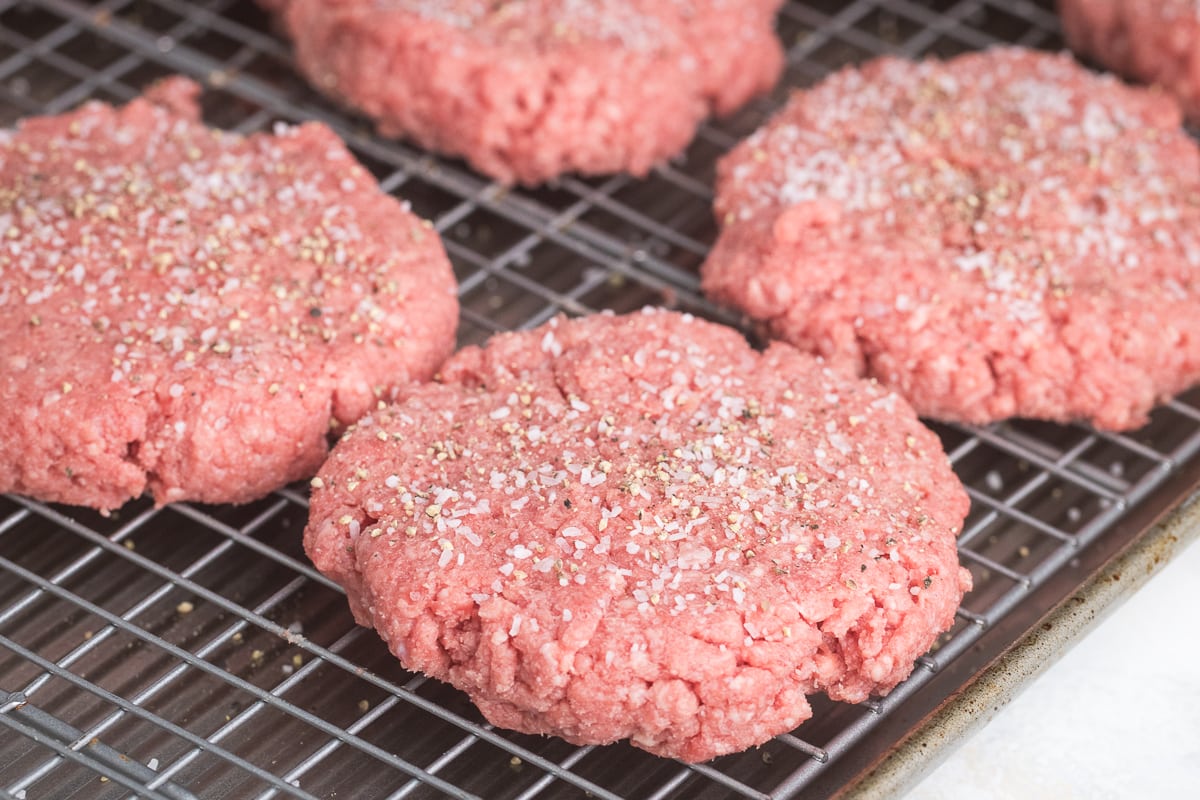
column 996, row 686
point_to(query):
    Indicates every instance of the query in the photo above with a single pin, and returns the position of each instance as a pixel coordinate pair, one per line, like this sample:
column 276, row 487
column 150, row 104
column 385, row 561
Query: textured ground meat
column 1155, row 41
column 184, row 311
column 1002, row 234
column 639, row 527
column 526, row 90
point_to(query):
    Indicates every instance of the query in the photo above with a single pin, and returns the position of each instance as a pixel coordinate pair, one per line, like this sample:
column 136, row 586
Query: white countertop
column 1117, row 717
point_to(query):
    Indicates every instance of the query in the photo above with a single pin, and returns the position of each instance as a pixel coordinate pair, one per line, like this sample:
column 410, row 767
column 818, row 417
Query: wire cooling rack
column 191, row 651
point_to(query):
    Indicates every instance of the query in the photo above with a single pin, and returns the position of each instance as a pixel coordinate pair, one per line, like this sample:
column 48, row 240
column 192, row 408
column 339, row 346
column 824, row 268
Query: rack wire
column 191, row 651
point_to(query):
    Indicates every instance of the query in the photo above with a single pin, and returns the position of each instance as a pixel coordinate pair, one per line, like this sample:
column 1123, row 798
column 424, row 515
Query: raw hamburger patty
column 638, row 527
column 1157, row 41
column 184, row 310
column 528, row 89
column 1002, row 234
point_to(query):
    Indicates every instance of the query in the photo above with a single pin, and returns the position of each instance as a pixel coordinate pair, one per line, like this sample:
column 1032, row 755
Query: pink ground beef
column 526, row 90
column 1002, row 234
column 184, row 311
column 1155, row 41
column 638, row 527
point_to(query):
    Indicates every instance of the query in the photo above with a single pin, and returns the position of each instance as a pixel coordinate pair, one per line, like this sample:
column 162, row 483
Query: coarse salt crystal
column 551, row 345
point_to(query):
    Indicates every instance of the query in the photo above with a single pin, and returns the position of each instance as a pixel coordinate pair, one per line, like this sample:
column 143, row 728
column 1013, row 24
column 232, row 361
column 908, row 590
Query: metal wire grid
column 191, row 651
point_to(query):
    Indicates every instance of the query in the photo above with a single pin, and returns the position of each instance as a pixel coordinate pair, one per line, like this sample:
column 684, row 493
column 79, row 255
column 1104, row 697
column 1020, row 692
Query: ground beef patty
column 528, row 89
column 183, row 310
column 1157, row 41
column 1002, row 234
column 638, row 527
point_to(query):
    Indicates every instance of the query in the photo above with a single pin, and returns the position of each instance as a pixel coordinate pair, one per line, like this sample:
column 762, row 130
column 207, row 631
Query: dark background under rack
column 191, row 651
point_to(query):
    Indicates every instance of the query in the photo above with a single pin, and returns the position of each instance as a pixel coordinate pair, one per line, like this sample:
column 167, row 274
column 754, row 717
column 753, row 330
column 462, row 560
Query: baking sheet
column 192, row 651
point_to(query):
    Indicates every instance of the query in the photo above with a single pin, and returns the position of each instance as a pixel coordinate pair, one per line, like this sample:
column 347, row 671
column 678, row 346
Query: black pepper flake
column 314, row 312
column 928, row 581
column 566, row 503
column 862, row 568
